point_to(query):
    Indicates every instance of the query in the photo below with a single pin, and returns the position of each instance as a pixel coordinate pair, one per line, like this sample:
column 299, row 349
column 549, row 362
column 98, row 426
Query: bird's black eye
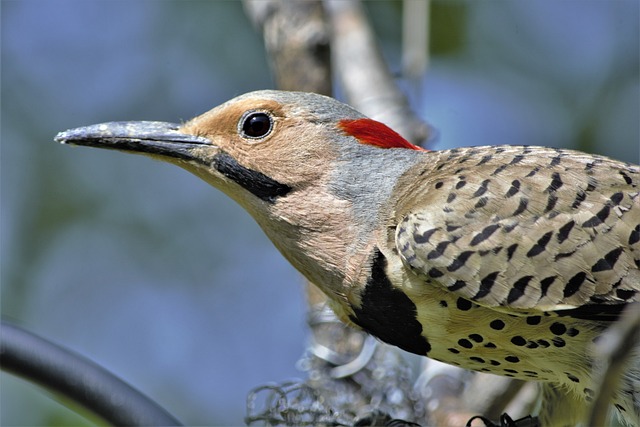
column 256, row 124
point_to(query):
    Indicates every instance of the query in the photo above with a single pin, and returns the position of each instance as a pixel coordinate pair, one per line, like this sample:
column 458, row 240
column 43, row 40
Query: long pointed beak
column 151, row 138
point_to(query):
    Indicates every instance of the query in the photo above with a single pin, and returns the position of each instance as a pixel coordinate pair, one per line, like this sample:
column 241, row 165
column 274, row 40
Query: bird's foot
column 507, row 421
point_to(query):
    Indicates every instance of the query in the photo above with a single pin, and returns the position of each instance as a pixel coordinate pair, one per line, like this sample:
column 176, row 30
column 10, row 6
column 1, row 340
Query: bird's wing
column 525, row 228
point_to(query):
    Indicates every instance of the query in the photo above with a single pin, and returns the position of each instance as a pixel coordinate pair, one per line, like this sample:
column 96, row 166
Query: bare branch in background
column 415, row 39
column 366, row 80
column 297, row 38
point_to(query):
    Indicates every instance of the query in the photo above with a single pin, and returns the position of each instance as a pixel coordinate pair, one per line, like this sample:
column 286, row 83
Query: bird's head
column 291, row 158
column 257, row 147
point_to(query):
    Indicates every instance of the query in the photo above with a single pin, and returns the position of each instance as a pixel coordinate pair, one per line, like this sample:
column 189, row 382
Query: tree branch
column 366, row 80
column 296, row 37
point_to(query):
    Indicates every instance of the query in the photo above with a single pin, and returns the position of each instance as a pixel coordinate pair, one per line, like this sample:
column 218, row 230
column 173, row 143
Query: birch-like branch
column 365, row 77
column 296, row 37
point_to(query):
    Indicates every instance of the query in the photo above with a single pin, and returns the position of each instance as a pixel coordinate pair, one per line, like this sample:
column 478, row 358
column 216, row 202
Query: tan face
column 263, row 135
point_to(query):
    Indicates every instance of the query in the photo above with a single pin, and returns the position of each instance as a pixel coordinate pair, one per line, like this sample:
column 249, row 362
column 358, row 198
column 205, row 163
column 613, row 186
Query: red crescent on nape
column 371, row 132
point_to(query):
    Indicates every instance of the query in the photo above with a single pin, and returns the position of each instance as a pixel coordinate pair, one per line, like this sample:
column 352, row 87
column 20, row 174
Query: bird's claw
column 507, row 421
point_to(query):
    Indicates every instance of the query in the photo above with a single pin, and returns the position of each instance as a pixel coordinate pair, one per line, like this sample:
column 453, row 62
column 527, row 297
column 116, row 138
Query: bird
column 510, row 260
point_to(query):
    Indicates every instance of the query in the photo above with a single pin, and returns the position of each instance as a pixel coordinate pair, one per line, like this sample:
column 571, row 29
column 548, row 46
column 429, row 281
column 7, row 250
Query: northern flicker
column 503, row 259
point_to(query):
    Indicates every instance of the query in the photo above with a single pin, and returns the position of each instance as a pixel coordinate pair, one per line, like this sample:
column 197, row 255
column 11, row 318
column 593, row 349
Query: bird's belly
column 534, row 348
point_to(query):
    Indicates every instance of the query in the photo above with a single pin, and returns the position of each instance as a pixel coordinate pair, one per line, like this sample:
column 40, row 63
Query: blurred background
column 163, row 280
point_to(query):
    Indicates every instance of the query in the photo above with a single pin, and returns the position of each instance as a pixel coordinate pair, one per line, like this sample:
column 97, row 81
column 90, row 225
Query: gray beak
column 151, row 138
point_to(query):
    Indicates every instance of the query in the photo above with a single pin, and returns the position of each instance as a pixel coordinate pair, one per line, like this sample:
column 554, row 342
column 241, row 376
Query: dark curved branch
column 62, row 371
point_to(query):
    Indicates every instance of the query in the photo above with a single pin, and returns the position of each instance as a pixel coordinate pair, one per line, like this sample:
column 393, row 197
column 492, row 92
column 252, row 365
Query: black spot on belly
column 572, row 332
column 518, row 340
column 558, row 342
column 533, row 320
column 388, row 313
column 558, row 328
column 497, row 324
column 476, row 337
column 463, row 304
column 544, row 343
column 463, row 342
column 572, row 377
